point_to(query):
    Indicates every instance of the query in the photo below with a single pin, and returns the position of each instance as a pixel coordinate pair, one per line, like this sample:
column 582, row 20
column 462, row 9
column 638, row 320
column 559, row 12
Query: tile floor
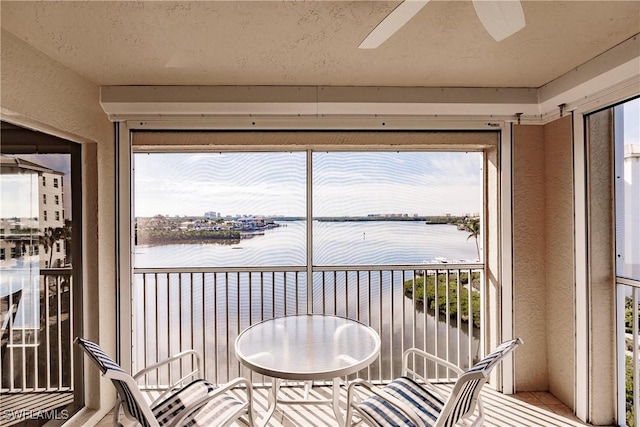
column 527, row 409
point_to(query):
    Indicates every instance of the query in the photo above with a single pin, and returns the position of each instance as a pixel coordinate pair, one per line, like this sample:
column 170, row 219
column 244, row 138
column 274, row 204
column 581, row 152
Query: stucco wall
column 36, row 89
column 529, row 257
column 543, row 261
column 559, row 229
column 41, row 94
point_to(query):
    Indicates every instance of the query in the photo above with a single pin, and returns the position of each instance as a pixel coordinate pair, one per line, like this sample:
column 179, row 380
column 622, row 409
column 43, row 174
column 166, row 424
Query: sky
column 19, row 196
column 632, row 121
column 345, row 183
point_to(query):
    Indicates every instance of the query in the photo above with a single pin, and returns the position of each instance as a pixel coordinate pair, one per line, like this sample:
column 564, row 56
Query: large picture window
column 377, row 208
column 213, row 209
column 250, row 209
column 231, row 228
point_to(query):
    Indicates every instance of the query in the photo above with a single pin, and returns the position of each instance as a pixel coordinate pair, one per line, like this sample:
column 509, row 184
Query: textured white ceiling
column 314, row 42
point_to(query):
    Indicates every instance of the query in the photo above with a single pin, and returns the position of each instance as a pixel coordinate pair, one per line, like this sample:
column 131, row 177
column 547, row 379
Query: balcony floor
column 527, row 409
column 19, row 408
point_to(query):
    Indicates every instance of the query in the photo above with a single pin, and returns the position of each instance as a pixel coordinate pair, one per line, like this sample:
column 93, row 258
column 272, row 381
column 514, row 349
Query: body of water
column 334, row 243
column 227, row 303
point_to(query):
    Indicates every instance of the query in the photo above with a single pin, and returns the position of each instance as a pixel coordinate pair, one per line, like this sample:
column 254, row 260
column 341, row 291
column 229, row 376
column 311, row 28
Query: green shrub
column 163, row 236
column 429, row 300
column 629, row 390
column 628, row 315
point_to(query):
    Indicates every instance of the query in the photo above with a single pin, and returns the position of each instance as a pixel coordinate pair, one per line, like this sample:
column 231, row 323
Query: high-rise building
column 32, row 216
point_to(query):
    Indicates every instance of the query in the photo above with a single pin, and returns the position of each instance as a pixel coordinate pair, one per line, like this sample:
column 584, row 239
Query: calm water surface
column 223, row 300
column 335, row 243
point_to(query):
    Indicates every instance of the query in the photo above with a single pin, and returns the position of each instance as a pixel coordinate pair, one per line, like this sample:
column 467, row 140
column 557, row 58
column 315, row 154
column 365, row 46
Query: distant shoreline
column 425, row 219
column 432, row 219
column 170, row 234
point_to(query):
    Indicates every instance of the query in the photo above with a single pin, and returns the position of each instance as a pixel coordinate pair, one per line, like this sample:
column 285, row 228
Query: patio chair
column 412, row 400
column 188, row 402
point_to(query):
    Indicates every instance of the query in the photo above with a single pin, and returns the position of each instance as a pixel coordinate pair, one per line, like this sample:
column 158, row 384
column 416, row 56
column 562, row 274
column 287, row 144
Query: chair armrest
column 235, row 383
column 429, row 356
column 433, row 358
column 407, row 410
column 352, row 387
column 193, row 374
column 168, row 360
column 200, row 403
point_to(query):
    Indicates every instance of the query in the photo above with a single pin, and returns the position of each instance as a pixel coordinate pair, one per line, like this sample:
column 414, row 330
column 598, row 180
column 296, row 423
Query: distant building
column 22, row 237
column 628, row 246
column 212, row 215
column 252, row 223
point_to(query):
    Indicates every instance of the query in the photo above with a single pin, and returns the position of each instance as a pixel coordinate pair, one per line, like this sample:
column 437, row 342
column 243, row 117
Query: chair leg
column 348, row 415
column 480, row 418
column 251, row 416
column 116, row 413
column 248, row 420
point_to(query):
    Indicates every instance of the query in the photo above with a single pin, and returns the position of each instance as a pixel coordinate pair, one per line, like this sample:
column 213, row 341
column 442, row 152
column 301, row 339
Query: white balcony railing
column 206, row 308
column 628, row 332
column 38, row 352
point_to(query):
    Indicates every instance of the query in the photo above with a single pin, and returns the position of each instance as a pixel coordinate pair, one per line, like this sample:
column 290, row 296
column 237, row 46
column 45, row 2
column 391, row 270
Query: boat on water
column 442, row 260
column 438, row 260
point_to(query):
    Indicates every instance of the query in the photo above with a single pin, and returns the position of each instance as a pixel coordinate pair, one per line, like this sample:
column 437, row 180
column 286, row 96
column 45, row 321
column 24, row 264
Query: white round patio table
column 307, row 347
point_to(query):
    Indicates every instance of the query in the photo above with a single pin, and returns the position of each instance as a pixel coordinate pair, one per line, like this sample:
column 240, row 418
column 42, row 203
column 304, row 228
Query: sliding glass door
column 626, row 130
column 40, row 277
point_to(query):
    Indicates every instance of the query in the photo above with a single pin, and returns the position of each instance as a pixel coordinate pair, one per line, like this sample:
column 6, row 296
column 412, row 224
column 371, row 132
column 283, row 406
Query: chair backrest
column 134, row 404
column 463, row 398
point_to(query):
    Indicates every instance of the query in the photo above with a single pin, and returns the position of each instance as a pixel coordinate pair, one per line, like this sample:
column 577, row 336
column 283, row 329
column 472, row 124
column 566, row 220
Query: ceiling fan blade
column 392, row 23
column 501, row 18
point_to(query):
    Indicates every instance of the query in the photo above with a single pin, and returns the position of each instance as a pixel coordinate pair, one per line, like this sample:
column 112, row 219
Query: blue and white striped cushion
column 428, row 406
column 105, row 363
column 425, row 405
column 101, row 358
column 384, row 413
column 212, row 413
column 131, row 405
column 464, row 403
column 490, row 359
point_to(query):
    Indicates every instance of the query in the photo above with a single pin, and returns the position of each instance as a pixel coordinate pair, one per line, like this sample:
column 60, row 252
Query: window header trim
column 150, row 141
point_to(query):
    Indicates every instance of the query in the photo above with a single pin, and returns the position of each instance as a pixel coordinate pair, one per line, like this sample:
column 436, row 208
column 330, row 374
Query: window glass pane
column 37, row 281
column 20, row 230
column 396, row 207
column 627, row 140
column 26, row 226
column 220, row 209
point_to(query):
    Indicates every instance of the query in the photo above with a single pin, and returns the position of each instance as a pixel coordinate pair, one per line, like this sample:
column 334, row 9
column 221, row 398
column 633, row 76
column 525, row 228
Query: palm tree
column 473, row 227
column 66, row 233
column 49, row 238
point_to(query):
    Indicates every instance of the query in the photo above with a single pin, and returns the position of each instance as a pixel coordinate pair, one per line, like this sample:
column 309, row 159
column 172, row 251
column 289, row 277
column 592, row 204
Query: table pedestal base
column 274, row 400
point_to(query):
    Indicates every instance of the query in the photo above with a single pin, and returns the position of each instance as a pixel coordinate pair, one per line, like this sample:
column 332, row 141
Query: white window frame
column 502, row 327
column 581, row 235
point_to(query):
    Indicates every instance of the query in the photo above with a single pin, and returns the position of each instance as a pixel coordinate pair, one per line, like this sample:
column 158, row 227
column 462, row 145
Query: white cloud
column 274, row 183
column 19, row 196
